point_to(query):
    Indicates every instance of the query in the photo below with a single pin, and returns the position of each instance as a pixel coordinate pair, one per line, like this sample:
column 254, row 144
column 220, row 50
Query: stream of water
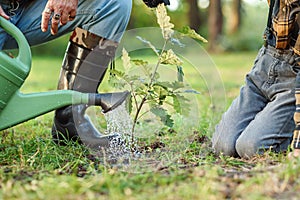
column 121, row 149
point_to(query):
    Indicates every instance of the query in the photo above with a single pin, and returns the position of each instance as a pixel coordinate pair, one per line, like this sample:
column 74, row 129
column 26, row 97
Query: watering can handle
column 24, row 49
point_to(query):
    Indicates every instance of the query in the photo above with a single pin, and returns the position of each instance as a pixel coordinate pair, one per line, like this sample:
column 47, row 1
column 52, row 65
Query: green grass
column 33, row 167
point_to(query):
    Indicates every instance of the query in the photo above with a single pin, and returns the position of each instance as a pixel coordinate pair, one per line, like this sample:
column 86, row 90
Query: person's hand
column 3, row 14
column 154, row 3
column 294, row 154
column 61, row 12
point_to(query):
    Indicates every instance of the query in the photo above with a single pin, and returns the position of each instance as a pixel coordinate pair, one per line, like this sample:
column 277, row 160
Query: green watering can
column 16, row 107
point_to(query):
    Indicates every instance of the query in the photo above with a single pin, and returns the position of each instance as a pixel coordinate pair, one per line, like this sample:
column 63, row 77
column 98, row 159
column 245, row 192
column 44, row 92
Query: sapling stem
column 151, row 82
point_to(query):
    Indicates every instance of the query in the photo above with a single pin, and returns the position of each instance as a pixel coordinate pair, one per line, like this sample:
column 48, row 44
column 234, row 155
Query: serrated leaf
column 126, row 60
column 120, row 79
column 140, row 62
column 114, row 72
column 187, row 31
column 129, row 78
column 163, row 115
column 169, row 57
column 164, row 21
column 181, row 104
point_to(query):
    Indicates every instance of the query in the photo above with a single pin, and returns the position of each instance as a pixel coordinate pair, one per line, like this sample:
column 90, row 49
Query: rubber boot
column 84, row 66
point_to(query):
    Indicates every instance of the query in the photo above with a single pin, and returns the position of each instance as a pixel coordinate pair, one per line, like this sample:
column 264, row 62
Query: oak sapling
column 158, row 95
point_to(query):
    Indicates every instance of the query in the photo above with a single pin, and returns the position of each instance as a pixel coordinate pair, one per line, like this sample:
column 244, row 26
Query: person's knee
column 113, row 18
column 226, row 150
column 224, row 146
column 247, row 148
column 123, row 7
column 127, row 5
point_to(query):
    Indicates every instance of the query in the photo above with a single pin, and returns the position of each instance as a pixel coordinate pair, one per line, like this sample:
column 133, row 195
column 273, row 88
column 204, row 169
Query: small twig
column 133, row 94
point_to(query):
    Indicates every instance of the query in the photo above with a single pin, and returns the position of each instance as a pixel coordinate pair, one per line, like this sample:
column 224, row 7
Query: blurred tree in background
column 195, row 20
column 235, row 18
column 229, row 25
column 215, row 24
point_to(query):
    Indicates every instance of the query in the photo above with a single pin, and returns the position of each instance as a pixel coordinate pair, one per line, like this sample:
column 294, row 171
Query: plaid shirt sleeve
column 283, row 22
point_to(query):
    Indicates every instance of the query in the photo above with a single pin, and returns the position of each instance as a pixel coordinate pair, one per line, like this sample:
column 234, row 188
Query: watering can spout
column 108, row 101
column 22, row 107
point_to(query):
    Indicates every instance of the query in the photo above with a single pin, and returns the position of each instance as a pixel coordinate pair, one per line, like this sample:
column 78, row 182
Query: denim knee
column 124, row 6
column 224, row 146
column 226, row 150
column 248, row 148
column 121, row 9
column 110, row 20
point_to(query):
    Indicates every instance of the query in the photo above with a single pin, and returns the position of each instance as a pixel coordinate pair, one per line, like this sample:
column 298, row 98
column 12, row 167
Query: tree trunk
column 215, row 23
column 235, row 18
column 194, row 15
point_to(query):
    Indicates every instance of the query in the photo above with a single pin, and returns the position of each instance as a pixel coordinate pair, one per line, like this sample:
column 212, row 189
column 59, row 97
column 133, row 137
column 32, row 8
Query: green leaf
column 169, row 57
column 130, row 103
column 116, row 82
column 161, row 92
column 132, row 78
column 144, row 64
column 164, row 84
column 180, row 74
column 172, row 86
column 141, row 90
column 119, row 79
column 187, row 31
column 177, row 85
column 164, row 21
column 126, row 60
column 163, row 115
column 181, row 104
column 140, row 62
column 114, row 72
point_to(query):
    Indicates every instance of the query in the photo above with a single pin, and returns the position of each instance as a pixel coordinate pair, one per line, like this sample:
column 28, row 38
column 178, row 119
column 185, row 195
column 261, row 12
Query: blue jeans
column 105, row 18
column 261, row 117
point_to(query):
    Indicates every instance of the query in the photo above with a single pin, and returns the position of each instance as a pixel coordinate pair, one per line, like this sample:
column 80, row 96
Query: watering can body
column 16, row 107
column 13, row 71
